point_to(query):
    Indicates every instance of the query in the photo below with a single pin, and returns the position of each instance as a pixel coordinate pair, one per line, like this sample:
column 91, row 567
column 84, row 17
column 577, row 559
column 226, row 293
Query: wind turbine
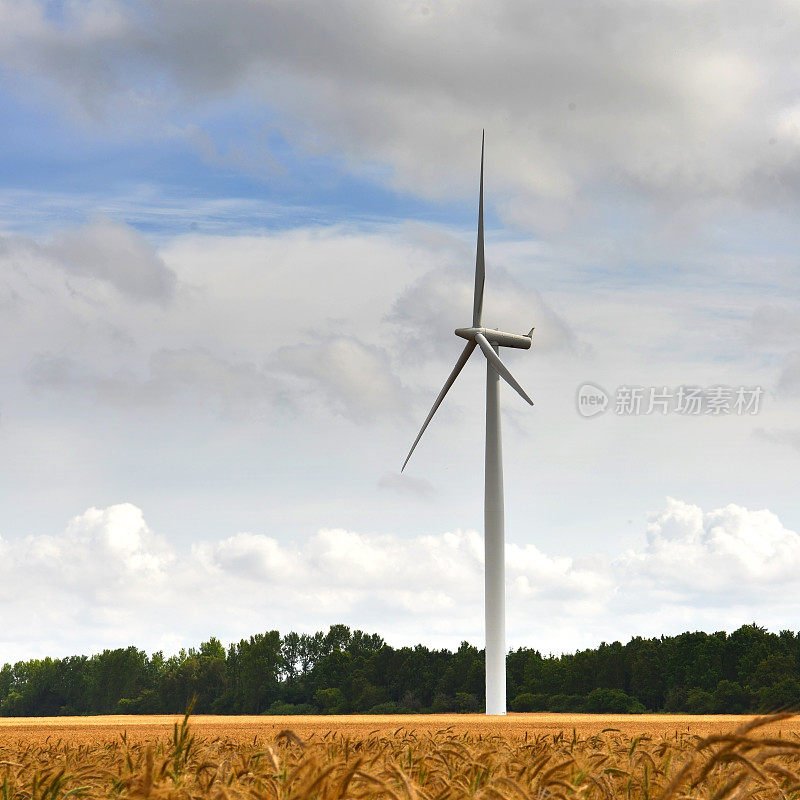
column 490, row 342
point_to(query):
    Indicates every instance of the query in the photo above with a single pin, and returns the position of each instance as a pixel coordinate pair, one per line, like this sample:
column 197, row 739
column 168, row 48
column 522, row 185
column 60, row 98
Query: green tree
column 647, row 674
column 612, row 701
column 780, row 696
column 331, row 701
column 526, row 701
column 699, row 701
column 730, row 697
column 255, row 668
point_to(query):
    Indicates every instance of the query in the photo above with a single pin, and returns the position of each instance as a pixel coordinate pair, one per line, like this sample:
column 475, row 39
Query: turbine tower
column 490, row 342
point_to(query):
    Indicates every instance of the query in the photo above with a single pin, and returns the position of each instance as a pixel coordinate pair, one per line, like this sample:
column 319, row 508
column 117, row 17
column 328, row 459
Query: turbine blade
column 501, row 368
column 480, row 265
column 462, row 359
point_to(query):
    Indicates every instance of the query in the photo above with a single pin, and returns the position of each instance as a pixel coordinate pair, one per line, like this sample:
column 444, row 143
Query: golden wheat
column 408, row 764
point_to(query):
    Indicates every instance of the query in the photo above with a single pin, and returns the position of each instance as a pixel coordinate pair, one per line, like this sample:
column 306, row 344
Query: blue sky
column 235, row 240
column 47, row 154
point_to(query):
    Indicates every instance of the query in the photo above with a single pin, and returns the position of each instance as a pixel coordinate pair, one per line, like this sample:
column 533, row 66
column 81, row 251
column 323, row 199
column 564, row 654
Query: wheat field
column 401, row 758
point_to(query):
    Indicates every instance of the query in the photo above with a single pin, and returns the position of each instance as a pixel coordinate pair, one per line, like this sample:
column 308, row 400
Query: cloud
column 198, row 372
column 250, row 556
column 253, row 158
column 727, row 556
column 430, row 309
column 783, row 436
column 667, row 102
column 282, row 326
column 111, row 251
column 602, row 122
column 49, row 371
column 250, row 336
column 104, row 558
column 124, row 546
column 173, row 377
column 789, row 380
column 407, row 485
column 775, row 325
column 108, row 580
column 254, row 338
column 354, row 379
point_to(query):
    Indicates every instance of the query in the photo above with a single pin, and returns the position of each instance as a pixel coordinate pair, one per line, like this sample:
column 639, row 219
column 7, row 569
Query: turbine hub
column 497, row 337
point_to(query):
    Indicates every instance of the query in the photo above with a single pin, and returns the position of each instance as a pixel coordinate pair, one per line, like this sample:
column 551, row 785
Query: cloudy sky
column 235, row 239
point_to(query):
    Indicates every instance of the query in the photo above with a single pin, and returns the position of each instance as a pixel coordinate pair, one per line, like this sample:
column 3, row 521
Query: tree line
column 344, row 671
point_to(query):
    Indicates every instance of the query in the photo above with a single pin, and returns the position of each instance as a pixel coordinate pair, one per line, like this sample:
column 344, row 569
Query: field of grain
column 401, row 758
column 142, row 728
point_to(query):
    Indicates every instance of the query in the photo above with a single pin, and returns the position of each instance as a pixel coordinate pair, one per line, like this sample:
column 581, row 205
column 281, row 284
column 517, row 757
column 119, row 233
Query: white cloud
column 277, row 345
column 181, row 377
column 85, row 586
column 729, row 557
column 649, row 143
column 314, row 321
column 111, row 251
column 407, row 485
column 789, row 379
column 109, row 580
column 354, row 379
column 248, row 555
column 101, row 551
column 775, row 325
column 429, row 310
column 785, row 436
column 674, row 102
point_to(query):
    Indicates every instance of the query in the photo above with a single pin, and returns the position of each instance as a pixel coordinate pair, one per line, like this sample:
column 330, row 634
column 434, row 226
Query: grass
column 748, row 762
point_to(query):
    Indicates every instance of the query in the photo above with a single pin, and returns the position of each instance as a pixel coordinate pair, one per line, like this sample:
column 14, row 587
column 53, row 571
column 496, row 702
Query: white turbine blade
column 462, row 359
column 480, row 265
column 501, row 368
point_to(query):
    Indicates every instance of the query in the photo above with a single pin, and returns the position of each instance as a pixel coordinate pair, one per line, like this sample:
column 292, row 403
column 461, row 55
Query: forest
column 343, row 671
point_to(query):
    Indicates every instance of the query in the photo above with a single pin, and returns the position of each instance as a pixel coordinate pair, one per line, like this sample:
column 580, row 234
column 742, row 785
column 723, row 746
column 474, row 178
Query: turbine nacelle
column 500, row 338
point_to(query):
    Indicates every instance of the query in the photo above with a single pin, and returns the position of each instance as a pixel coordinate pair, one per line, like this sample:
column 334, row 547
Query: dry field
column 142, row 728
column 401, row 758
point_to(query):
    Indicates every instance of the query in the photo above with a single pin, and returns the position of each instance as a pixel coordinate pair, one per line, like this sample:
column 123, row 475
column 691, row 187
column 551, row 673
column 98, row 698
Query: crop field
column 401, row 758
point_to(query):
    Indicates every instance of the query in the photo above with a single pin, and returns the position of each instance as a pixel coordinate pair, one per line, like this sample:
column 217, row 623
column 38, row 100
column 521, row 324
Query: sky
column 235, row 239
